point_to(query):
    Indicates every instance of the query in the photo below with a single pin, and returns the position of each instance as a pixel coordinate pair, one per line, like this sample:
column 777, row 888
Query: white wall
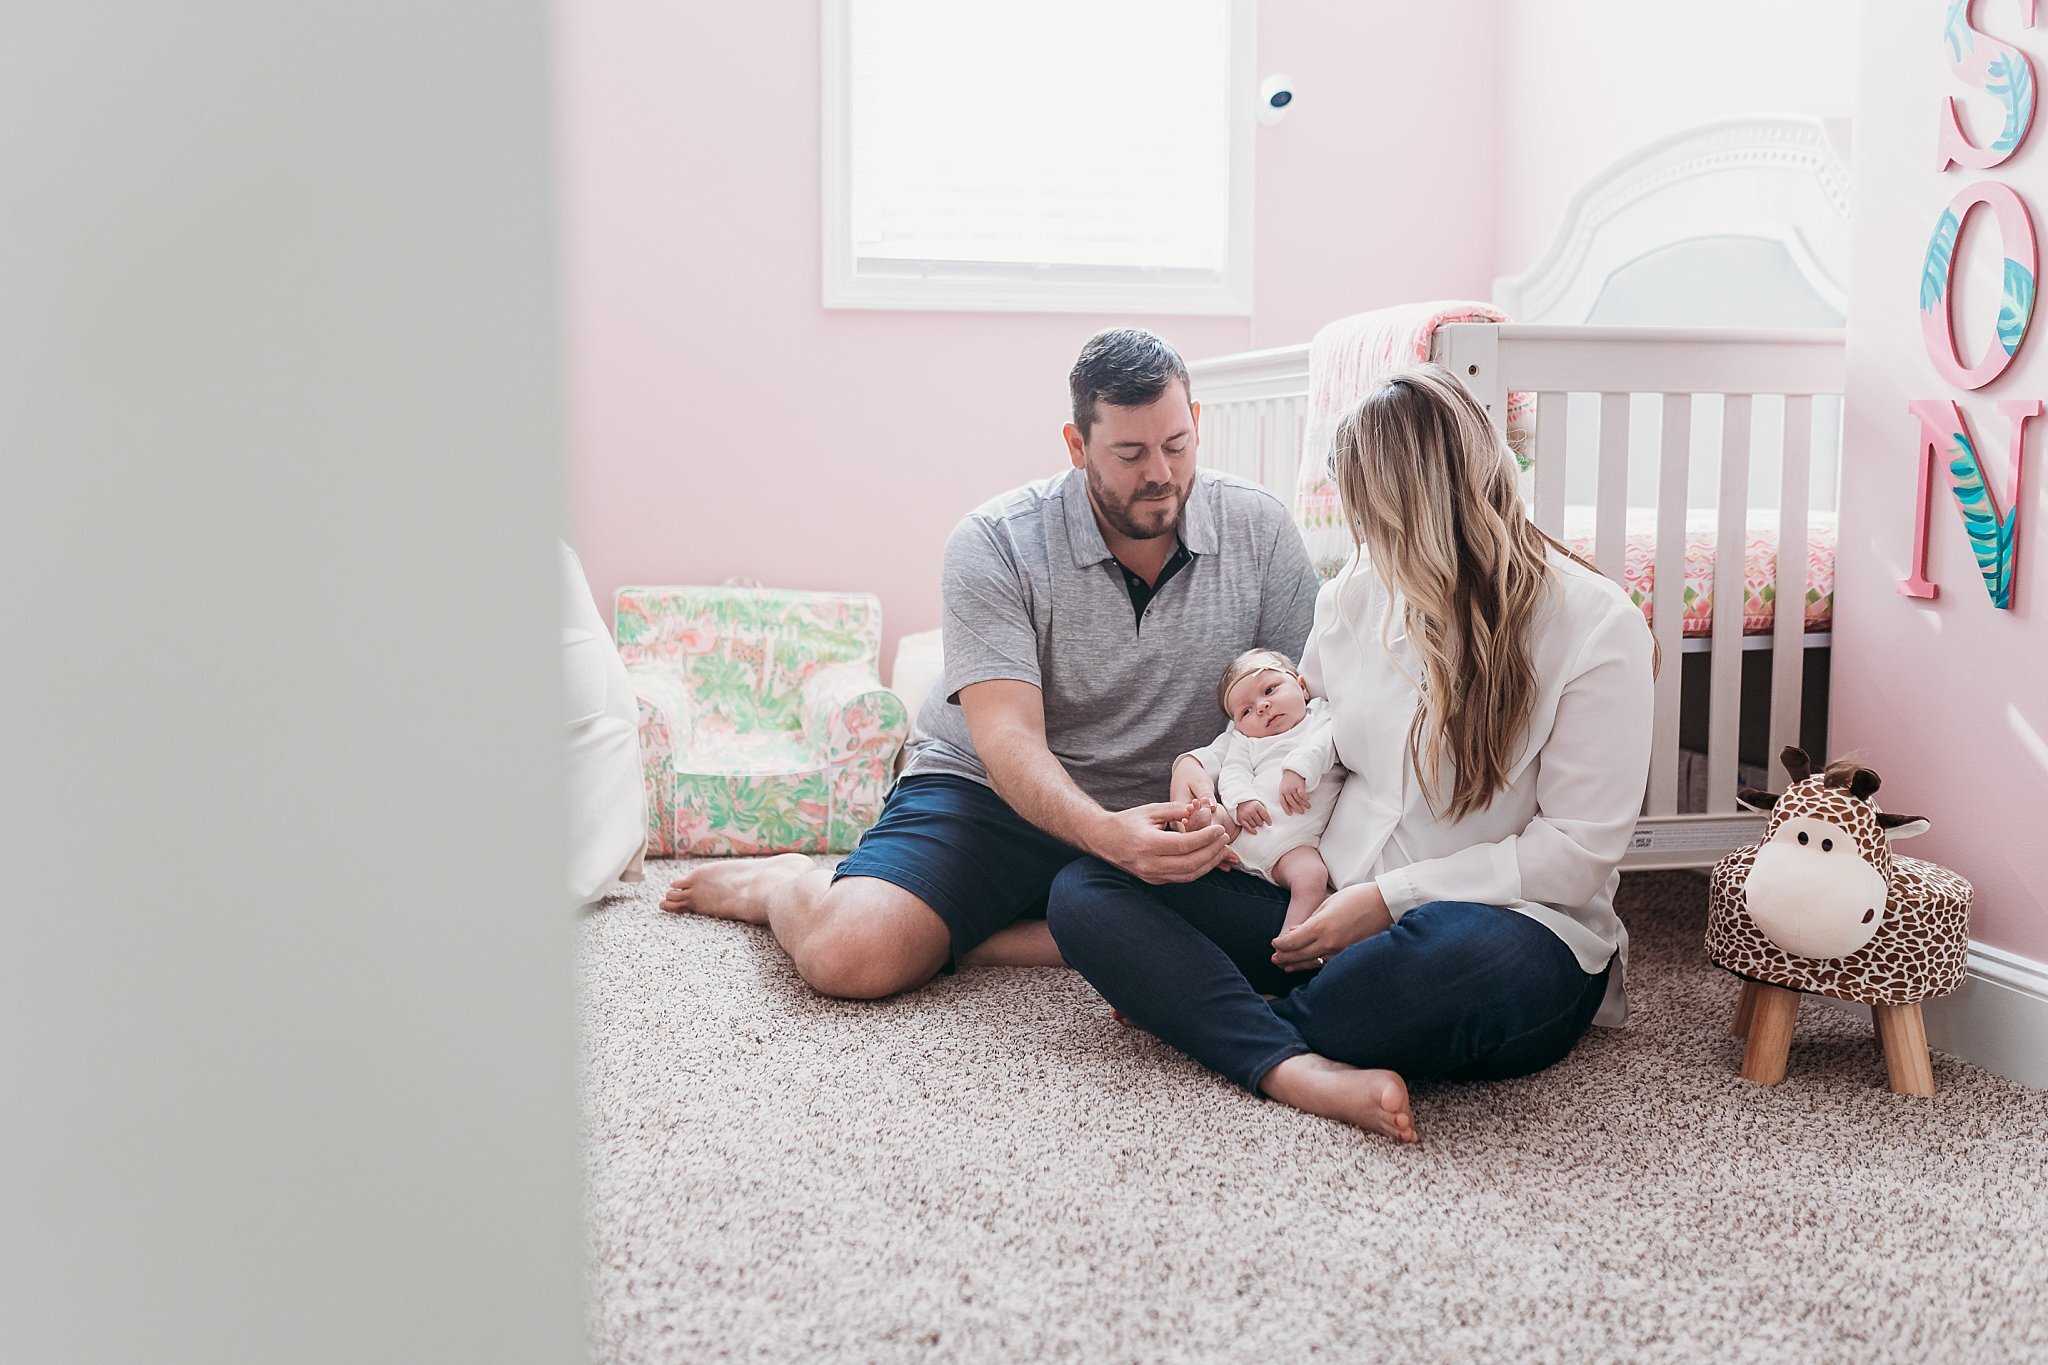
column 285, row 1004
column 1587, row 81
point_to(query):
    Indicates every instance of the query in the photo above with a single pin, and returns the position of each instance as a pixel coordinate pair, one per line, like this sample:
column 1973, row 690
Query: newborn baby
column 1278, row 775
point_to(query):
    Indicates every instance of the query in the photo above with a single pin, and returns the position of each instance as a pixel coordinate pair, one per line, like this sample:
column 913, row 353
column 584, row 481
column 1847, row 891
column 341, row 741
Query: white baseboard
column 1997, row 1019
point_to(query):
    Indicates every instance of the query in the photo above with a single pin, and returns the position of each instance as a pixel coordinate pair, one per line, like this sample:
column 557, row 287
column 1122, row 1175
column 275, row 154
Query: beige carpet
column 990, row 1169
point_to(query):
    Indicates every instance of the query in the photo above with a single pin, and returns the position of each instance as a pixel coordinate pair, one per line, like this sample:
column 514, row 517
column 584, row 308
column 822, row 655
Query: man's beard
column 1119, row 514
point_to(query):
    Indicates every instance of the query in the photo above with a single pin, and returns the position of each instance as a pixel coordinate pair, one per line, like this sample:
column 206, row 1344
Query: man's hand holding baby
column 1205, row 813
column 1153, row 844
column 1191, row 787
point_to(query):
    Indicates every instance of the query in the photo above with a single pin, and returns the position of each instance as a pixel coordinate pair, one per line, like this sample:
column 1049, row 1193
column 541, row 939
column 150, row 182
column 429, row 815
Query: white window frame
column 1047, row 288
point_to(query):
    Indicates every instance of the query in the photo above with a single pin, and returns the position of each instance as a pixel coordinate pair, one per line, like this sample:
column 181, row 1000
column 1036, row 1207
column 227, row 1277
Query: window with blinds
column 1060, row 156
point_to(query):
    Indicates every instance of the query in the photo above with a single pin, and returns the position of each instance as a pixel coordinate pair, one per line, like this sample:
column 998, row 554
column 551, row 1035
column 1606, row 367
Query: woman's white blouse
column 1549, row 845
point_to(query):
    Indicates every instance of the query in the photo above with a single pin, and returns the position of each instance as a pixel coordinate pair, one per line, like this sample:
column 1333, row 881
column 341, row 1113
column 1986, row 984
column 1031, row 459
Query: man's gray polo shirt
column 1032, row 593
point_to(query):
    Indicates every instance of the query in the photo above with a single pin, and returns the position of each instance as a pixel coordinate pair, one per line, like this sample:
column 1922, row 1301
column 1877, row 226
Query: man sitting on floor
column 1086, row 617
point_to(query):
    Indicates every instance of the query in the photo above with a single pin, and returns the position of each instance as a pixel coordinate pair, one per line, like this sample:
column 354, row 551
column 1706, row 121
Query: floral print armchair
column 764, row 725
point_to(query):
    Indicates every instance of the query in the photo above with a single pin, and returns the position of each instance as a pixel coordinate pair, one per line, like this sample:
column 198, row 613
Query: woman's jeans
column 1452, row 990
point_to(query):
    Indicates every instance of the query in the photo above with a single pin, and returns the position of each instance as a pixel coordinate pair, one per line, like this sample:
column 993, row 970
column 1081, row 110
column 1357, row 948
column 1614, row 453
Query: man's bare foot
column 1376, row 1101
column 734, row 888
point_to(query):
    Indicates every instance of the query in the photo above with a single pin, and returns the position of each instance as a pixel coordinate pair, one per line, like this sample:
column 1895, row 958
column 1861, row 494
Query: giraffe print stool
column 1821, row 905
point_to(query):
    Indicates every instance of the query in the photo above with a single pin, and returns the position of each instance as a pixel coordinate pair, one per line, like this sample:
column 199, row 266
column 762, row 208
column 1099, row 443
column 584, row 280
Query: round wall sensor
column 1276, row 97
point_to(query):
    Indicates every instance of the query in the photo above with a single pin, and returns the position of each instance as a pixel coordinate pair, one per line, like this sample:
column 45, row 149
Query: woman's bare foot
column 1376, row 1101
column 734, row 888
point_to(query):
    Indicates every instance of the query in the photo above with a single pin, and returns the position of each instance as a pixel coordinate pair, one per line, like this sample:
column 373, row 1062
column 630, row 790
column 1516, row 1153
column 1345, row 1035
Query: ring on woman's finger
column 1322, row 961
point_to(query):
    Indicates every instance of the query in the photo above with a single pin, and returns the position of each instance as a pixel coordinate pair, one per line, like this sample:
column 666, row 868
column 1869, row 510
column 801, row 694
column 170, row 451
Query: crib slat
column 1229, row 458
column 1286, row 451
column 1610, row 524
column 1667, row 601
column 1550, row 455
column 1262, row 438
column 1731, row 536
column 1295, row 449
column 1788, row 626
column 1296, row 433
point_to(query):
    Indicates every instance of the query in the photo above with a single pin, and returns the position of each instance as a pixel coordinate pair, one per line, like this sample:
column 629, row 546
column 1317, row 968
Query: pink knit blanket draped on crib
column 1346, row 358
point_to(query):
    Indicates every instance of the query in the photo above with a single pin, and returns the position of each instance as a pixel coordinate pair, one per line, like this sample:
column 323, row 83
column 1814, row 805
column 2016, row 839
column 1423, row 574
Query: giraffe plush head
column 1822, row 875
column 1822, row 904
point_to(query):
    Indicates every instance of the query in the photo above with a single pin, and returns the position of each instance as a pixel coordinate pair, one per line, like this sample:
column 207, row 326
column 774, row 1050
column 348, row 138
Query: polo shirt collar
column 1197, row 521
column 1084, row 536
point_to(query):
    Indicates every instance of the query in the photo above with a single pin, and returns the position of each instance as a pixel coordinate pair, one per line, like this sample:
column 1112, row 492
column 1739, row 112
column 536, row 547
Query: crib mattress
column 1638, row 572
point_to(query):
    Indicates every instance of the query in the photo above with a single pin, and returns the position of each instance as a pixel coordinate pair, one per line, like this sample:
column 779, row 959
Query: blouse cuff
column 1399, row 891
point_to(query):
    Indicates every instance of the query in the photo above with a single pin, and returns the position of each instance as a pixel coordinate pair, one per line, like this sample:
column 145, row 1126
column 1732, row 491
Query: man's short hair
column 1126, row 366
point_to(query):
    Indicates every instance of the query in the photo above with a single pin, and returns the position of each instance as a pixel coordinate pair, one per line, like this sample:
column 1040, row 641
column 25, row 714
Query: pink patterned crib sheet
column 1759, row 570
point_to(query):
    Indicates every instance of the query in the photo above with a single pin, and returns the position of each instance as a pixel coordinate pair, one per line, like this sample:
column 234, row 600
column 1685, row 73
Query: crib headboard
column 1741, row 222
column 1737, row 223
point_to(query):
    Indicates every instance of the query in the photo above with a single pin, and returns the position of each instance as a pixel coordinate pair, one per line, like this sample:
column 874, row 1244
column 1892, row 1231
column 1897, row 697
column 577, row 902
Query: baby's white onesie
column 1251, row 771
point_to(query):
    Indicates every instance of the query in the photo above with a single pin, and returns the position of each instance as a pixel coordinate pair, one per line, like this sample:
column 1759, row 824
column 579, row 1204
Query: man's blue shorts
column 959, row 848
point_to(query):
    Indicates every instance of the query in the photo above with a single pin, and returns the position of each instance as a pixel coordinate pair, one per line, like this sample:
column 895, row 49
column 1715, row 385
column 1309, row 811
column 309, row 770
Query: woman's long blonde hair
column 1429, row 492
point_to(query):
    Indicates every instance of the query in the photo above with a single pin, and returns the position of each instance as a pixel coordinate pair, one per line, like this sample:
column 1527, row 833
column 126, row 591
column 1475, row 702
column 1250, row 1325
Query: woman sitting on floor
column 1490, row 694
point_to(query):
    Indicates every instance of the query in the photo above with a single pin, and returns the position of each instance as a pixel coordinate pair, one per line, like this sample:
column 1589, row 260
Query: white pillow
column 920, row 660
column 607, row 799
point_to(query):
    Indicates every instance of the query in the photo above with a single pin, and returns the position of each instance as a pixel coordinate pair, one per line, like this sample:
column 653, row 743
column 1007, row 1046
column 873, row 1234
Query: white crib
column 1681, row 328
column 1253, row 413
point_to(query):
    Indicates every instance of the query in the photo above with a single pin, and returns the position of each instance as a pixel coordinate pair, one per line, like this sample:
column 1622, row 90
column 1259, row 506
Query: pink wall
column 1585, row 83
column 1947, row 699
column 1358, row 205
column 724, row 424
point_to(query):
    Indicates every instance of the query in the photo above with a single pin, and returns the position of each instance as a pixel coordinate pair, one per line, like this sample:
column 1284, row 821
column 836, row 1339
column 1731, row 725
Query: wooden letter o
column 2016, row 296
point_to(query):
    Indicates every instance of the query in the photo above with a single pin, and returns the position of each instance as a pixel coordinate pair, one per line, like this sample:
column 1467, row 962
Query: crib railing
column 1675, row 399
column 1254, row 414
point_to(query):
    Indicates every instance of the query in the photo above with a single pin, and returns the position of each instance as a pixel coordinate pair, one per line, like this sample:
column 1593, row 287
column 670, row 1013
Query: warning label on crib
column 1684, row 835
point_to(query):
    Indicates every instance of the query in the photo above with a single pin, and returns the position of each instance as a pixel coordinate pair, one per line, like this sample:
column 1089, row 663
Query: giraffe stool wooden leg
column 1745, row 1010
column 1904, row 1036
column 1770, row 1034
